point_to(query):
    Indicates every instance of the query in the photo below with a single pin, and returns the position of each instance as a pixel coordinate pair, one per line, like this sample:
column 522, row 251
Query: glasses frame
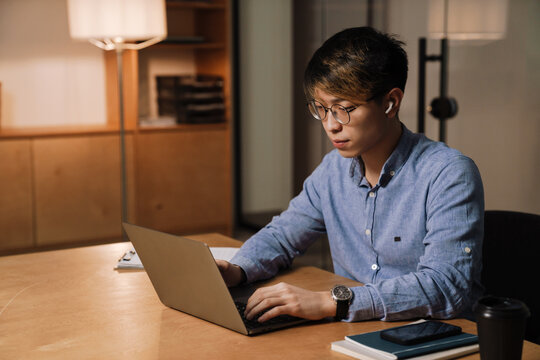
column 348, row 110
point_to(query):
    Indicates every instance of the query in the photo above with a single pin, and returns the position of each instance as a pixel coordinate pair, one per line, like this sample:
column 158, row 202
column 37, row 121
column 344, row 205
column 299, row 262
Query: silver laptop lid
column 185, row 276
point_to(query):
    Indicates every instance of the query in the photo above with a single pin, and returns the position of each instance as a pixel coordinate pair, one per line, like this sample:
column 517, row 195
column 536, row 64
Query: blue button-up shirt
column 414, row 239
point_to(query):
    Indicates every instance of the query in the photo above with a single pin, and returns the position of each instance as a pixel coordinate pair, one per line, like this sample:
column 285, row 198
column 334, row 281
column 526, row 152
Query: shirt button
column 467, row 250
column 368, row 232
column 392, row 173
column 374, row 267
column 371, row 194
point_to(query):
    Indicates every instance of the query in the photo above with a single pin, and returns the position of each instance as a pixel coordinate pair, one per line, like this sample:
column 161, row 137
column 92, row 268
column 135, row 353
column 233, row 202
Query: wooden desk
column 71, row 304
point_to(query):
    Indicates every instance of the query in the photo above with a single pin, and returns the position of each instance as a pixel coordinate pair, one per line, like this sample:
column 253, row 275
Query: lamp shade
column 117, row 20
column 467, row 19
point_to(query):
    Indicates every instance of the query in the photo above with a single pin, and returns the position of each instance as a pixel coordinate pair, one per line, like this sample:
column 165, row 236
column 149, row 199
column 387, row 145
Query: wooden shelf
column 57, row 131
column 190, row 46
column 195, row 5
column 185, row 127
column 68, row 131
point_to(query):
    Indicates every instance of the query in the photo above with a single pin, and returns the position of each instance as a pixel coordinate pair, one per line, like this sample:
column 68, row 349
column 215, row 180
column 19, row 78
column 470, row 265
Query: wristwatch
column 342, row 296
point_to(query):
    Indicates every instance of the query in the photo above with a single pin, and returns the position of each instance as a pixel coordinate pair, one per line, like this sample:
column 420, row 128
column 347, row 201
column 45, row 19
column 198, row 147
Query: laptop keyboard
column 253, row 323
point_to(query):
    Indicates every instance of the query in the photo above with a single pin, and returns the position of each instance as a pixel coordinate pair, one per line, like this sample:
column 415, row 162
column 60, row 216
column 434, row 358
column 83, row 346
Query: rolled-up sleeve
column 288, row 235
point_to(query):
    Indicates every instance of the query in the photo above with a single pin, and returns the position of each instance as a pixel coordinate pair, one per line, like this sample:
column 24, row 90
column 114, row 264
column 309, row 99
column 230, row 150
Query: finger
column 259, row 295
column 254, row 307
column 264, row 305
column 254, row 300
column 269, row 291
column 273, row 312
column 222, row 265
column 226, row 272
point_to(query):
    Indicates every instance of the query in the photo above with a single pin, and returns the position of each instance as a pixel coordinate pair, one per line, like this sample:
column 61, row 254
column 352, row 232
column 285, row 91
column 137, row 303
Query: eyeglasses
column 339, row 112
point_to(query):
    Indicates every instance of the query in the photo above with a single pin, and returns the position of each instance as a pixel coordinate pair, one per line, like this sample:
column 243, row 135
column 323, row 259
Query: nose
column 331, row 124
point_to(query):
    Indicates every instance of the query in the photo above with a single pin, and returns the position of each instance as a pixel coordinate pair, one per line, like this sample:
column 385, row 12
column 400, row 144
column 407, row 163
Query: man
column 403, row 214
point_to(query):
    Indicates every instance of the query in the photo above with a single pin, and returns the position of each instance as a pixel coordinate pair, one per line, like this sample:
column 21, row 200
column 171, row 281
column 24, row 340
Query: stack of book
column 191, row 99
column 370, row 346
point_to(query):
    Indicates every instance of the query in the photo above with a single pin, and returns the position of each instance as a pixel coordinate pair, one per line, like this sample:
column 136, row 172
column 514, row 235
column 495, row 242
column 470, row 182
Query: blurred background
column 59, row 149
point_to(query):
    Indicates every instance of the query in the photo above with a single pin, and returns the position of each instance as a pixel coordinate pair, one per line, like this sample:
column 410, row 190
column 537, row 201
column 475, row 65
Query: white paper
column 130, row 260
column 223, row 253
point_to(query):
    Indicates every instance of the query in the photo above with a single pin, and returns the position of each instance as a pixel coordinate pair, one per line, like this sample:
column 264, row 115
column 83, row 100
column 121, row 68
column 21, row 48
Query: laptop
column 186, row 278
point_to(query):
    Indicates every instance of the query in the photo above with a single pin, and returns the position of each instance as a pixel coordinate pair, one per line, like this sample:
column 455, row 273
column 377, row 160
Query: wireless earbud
column 389, row 107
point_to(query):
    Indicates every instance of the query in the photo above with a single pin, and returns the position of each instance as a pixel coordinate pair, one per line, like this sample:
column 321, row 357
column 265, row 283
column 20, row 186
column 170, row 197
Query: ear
column 392, row 102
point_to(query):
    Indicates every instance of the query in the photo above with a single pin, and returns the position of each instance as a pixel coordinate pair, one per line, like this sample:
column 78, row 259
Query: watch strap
column 342, row 309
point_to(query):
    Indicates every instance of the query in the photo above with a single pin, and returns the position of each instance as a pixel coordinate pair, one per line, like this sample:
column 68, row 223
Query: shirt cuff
column 365, row 305
column 250, row 267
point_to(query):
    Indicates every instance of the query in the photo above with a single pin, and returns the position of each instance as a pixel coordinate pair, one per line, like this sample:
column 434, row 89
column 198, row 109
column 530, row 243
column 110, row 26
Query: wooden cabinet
column 77, row 188
column 183, row 181
column 61, row 189
column 16, row 221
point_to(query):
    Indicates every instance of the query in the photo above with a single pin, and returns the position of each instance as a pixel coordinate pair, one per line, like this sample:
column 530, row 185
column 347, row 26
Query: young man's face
column 367, row 130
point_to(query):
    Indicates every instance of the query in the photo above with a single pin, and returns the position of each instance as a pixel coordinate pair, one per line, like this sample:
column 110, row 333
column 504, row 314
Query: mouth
column 340, row 143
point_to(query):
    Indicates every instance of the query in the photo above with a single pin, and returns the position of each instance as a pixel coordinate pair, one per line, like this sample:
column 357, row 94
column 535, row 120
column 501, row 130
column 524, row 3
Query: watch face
column 341, row 292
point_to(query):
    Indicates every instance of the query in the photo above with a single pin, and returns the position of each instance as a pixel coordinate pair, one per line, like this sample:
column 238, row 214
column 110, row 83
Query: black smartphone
column 420, row 332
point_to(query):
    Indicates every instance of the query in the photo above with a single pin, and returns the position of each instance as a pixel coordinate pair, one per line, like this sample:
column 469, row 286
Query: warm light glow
column 468, row 19
column 109, row 22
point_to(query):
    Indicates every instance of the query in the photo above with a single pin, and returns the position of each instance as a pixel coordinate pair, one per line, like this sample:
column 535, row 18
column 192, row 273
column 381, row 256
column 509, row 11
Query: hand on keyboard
column 285, row 299
column 254, row 323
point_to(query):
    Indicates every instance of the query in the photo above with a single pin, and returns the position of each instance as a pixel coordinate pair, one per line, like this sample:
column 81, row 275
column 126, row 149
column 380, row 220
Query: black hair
column 357, row 64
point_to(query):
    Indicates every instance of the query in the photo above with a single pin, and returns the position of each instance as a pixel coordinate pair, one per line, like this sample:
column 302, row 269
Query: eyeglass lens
column 318, row 111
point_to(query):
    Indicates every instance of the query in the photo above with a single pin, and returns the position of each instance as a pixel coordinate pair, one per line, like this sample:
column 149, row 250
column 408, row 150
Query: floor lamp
column 118, row 25
column 454, row 20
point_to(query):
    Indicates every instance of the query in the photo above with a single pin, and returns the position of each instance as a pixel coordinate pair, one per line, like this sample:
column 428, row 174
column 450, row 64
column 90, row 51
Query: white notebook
column 357, row 352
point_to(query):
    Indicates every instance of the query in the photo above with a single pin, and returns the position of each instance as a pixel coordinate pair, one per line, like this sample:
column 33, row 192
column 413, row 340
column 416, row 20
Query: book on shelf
column 370, row 346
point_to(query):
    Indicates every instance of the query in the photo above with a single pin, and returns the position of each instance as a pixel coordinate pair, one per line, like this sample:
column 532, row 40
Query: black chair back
column 511, row 261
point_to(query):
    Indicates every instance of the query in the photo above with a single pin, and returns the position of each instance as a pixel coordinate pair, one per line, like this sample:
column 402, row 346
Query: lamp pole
column 119, row 62
column 443, row 90
column 443, row 107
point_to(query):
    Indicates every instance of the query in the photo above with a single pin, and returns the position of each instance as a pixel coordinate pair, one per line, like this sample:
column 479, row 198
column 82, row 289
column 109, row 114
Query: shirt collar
column 393, row 164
